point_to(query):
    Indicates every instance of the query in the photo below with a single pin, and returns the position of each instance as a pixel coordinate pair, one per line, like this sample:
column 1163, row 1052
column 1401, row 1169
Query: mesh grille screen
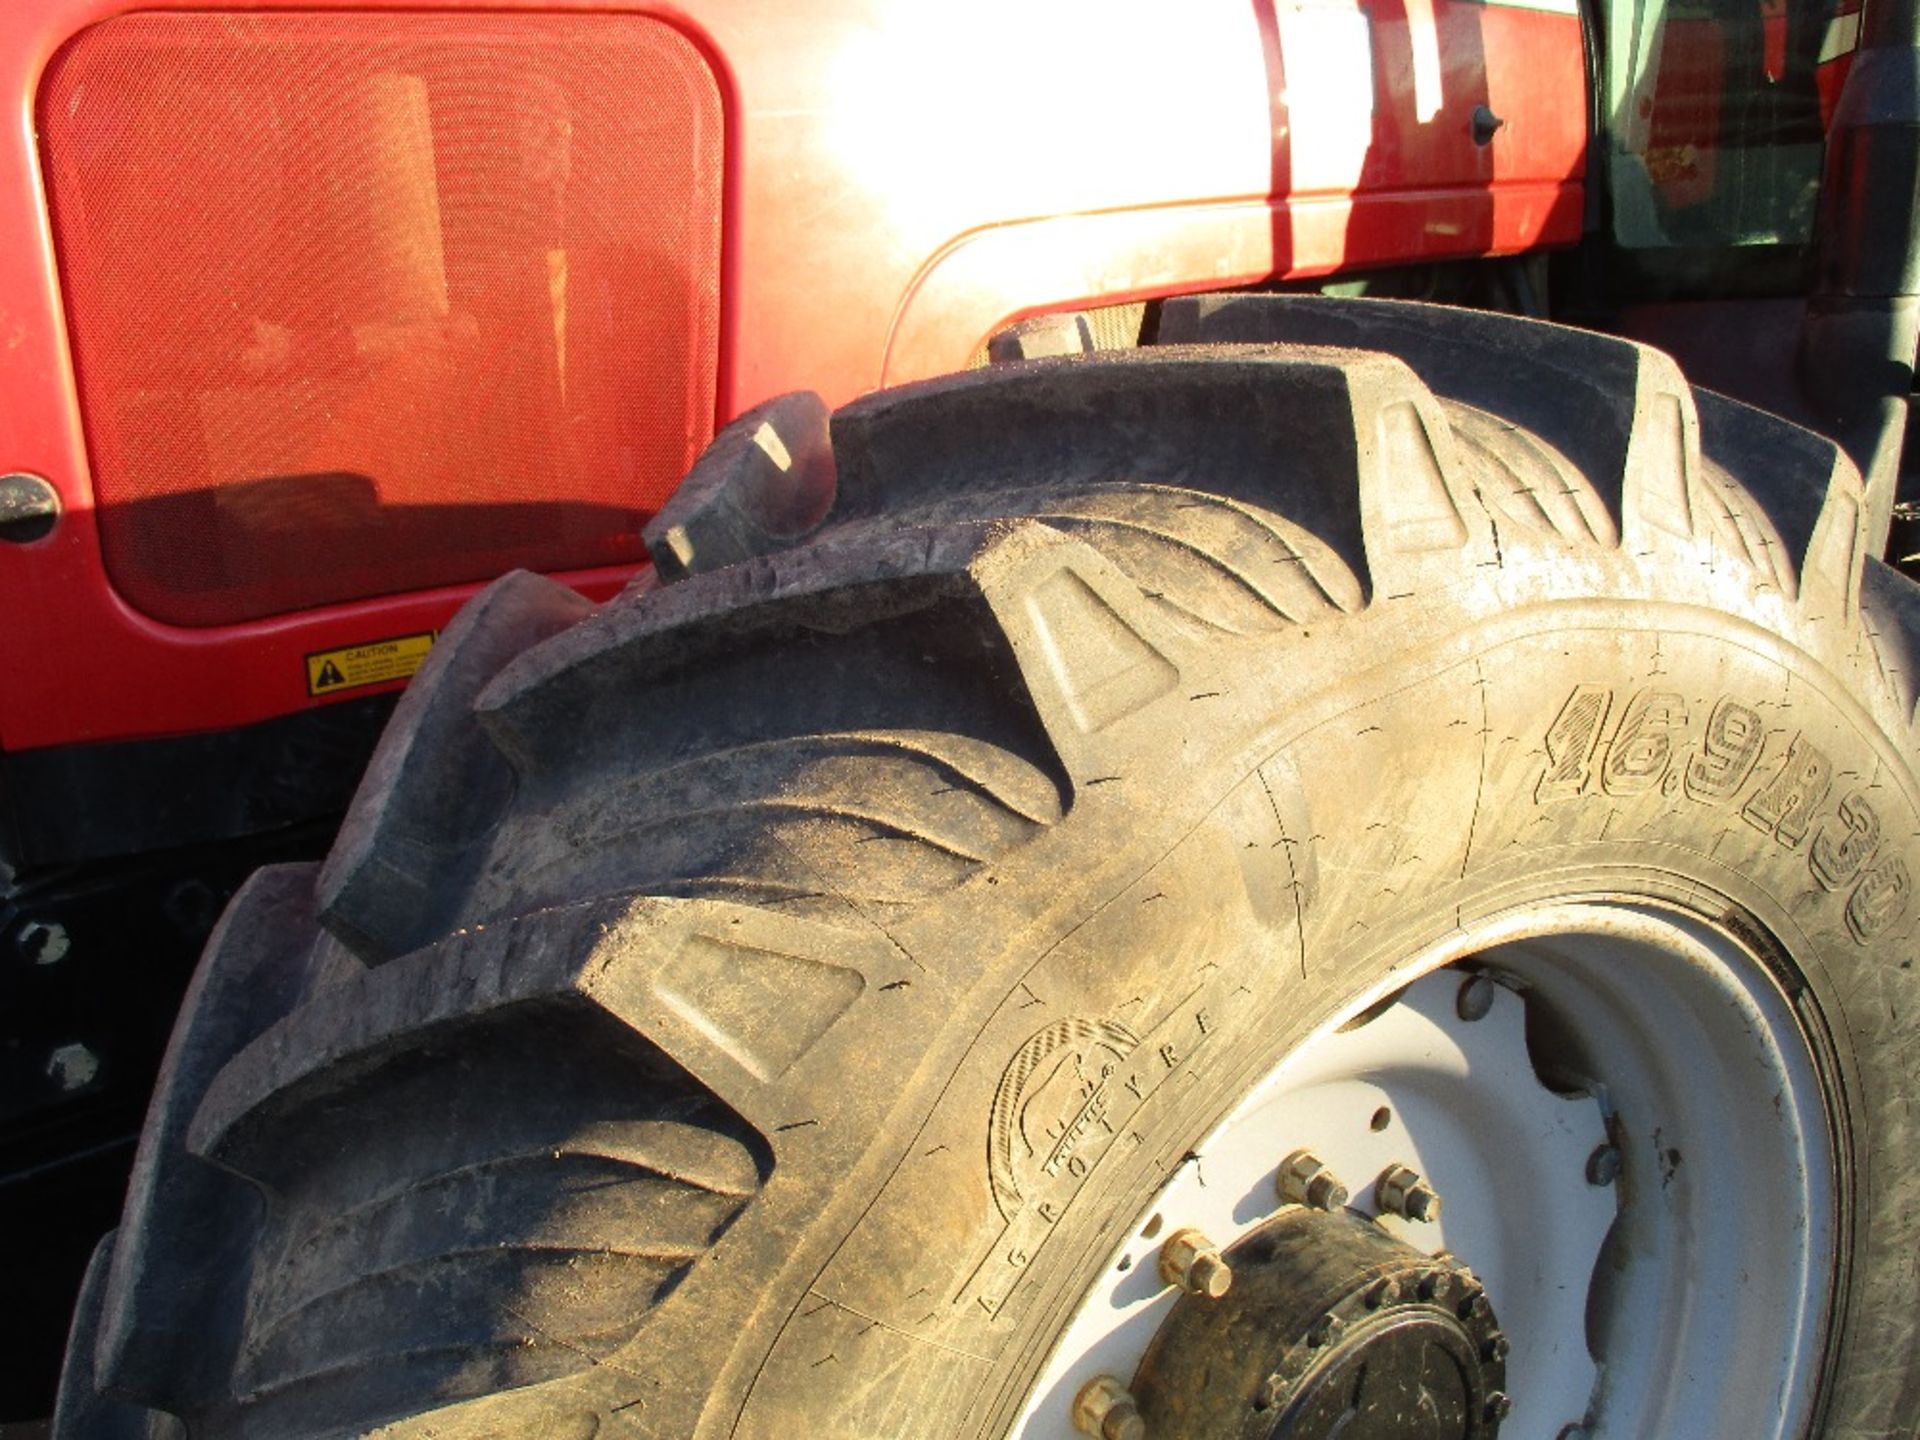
column 366, row 303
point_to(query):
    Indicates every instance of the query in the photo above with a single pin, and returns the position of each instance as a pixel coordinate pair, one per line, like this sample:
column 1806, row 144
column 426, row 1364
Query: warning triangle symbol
column 329, row 675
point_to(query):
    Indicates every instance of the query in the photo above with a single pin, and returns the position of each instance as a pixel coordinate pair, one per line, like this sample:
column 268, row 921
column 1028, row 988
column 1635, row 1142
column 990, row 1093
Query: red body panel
column 901, row 179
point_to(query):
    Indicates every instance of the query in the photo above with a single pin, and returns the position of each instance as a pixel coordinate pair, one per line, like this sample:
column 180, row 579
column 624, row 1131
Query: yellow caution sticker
column 373, row 663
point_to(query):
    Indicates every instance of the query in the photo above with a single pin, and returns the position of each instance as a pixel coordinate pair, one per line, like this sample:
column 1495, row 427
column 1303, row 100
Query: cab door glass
column 1715, row 112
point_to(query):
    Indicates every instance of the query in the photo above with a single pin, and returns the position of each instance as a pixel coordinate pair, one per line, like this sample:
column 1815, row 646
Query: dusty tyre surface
column 783, row 1000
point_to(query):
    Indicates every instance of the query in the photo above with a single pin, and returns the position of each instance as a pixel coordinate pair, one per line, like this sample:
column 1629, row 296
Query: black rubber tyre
column 641, row 1060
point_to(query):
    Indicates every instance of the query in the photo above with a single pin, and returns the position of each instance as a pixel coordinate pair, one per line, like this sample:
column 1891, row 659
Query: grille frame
column 224, row 547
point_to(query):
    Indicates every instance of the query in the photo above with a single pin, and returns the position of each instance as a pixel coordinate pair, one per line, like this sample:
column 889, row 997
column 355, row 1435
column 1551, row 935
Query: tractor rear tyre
column 1356, row 883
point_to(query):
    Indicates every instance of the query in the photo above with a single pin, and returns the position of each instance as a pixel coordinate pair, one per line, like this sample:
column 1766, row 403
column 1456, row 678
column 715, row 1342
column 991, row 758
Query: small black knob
column 29, row 506
column 1485, row 124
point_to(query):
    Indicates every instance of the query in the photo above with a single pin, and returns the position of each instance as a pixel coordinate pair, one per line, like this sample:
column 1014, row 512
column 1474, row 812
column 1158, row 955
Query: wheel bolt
column 1304, row 1179
column 1475, row 999
column 1401, row 1191
column 1603, row 1166
column 1193, row 1262
column 1434, row 1285
column 1325, row 1330
column 1383, row 1292
column 1499, row 1405
column 1498, row 1347
column 1104, row 1410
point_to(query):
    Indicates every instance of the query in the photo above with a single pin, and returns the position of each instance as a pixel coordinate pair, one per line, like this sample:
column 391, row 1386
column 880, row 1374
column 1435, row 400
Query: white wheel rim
column 1687, row 1299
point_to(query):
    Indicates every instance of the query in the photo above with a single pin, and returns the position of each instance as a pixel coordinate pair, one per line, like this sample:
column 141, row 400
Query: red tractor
column 1193, row 821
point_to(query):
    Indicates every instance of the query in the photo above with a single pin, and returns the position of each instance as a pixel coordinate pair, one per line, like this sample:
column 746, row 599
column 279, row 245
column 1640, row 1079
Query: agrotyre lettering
column 762, row 1004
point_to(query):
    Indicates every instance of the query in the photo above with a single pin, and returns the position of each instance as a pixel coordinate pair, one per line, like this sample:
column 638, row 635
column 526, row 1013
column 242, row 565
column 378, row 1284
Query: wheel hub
column 1333, row 1329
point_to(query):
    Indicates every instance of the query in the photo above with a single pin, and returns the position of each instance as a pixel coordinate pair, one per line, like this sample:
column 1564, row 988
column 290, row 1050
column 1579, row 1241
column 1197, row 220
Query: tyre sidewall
column 1594, row 754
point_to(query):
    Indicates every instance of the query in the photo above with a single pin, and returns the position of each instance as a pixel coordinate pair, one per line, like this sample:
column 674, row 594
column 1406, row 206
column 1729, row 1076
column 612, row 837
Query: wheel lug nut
column 1603, row 1165
column 1192, row 1261
column 1304, row 1179
column 1475, row 998
column 1104, row 1410
column 1499, row 1405
column 1325, row 1330
column 1383, row 1292
column 1401, row 1191
column 1498, row 1347
column 1434, row 1285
